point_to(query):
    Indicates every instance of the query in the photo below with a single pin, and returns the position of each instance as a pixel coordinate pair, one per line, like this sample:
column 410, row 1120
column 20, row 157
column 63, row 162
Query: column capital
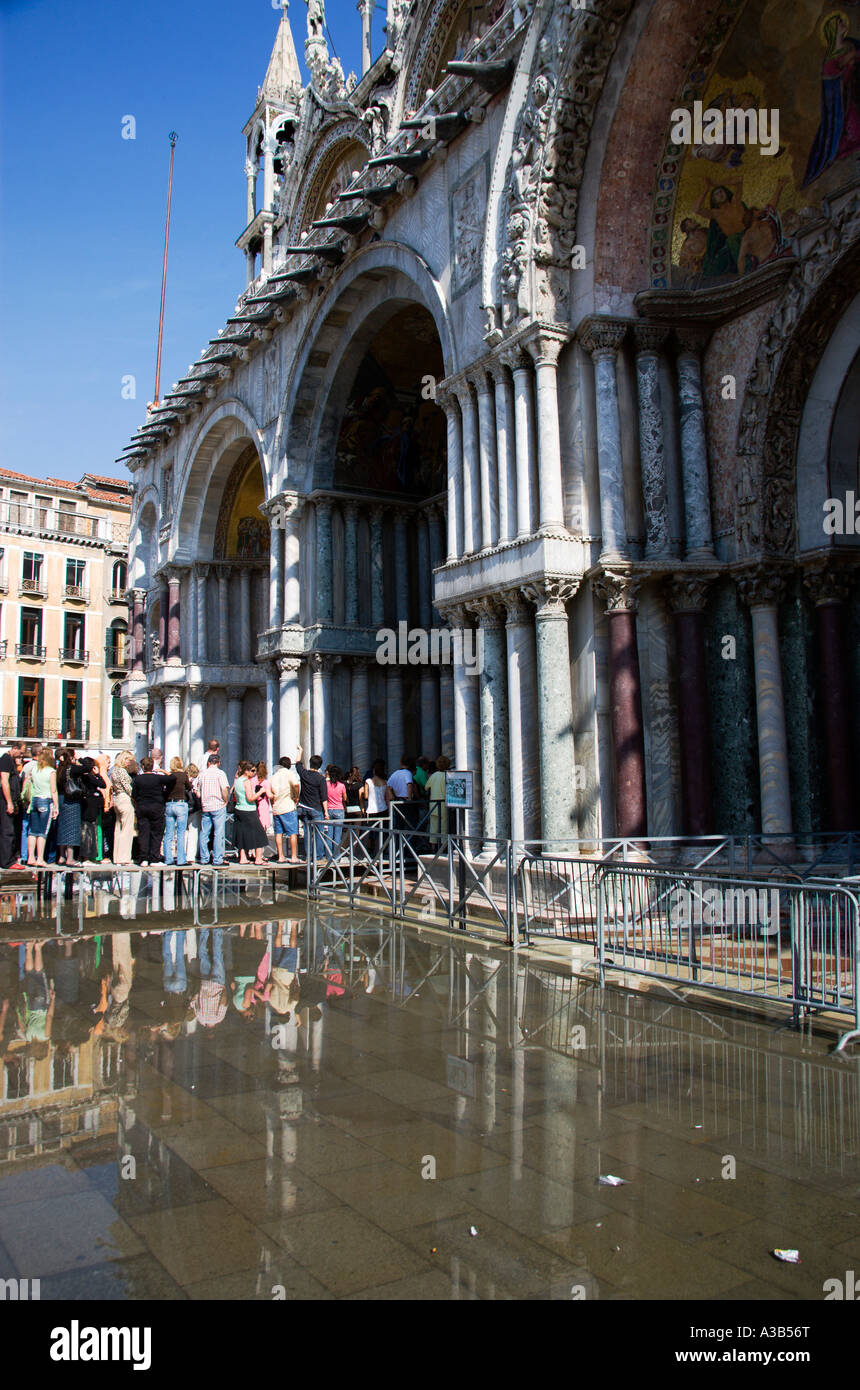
column 497, row 369
column 620, row 592
column 488, row 611
column 762, row 587
column 322, row 661
column 551, row 595
column 516, row 606
column 138, row 595
column 649, row 338
column 446, row 397
column 289, row 665
column 377, row 513
column 545, row 344
column 171, row 694
column 602, row 337
column 351, row 509
column 139, row 710
column 692, row 339
column 688, row 593
column 362, row 661
column 515, row 358
column 463, row 391
column 482, row 379
column 454, row 614
column 203, row 570
column 236, row 692
column 222, row 572
column 323, row 504
column 283, row 507
column 827, row 585
column 198, row 691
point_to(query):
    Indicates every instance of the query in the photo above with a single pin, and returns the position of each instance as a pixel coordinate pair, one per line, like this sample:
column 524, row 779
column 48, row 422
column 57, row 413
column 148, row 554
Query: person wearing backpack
column 71, row 793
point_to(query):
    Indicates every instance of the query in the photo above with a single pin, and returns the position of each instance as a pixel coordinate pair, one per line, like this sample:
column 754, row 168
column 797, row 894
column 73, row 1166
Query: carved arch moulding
column 788, row 354
column 537, row 229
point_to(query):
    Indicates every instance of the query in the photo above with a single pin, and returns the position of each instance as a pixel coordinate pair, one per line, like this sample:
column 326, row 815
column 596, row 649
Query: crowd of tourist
column 59, row 807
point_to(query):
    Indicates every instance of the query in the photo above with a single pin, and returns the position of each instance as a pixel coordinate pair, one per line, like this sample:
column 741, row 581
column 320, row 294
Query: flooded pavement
column 336, row 1106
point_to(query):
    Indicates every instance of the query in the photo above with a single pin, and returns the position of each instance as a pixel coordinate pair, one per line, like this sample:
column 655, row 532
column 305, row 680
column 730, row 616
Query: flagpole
column 173, row 137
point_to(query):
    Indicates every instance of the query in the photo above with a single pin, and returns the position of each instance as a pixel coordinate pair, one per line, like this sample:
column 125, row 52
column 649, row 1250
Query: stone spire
column 282, row 74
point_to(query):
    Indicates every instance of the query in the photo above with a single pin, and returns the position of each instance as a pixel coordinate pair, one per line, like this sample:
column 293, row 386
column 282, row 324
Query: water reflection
column 250, row 1110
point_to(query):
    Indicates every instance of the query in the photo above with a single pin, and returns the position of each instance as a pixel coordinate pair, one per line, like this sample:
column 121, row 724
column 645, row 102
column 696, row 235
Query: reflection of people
column 838, row 134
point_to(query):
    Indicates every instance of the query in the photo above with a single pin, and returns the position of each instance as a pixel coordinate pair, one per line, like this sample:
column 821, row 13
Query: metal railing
column 74, row 655
column 29, row 651
column 18, row 727
column 117, row 658
column 3, row 649
column 79, row 592
column 33, row 588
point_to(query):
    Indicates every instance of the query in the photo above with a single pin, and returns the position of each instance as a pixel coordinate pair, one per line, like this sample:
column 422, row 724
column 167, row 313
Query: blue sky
column 82, row 210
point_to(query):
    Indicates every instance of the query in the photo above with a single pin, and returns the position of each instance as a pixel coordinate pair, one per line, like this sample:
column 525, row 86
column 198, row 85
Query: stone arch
column 378, row 282
column 144, row 560
column 789, row 354
column 830, row 412
column 322, row 165
column 218, row 443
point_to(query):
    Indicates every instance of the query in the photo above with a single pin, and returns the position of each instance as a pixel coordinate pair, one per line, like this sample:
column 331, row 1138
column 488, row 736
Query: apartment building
column 63, row 608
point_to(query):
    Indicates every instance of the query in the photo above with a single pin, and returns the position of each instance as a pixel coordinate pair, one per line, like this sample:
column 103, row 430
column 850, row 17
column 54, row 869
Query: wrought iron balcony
column 3, row 647
column 33, row 588
column 29, row 651
column 118, row 596
column 79, row 592
column 74, row 656
column 4, row 581
column 22, row 727
column 117, row 658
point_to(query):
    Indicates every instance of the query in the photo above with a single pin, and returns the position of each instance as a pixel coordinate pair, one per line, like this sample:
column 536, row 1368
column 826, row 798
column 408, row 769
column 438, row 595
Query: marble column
column 394, row 726
column 545, row 347
column 223, row 615
column 471, row 476
column 602, row 338
column 694, row 447
column 830, row 590
column 658, row 536
column 362, row 751
column 625, row 697
column 139, row 710
column 467, row 723
column 245, row 632
column 174, row 649
column 493, row 696
column 138, row 628
column 197, row 723
column 688, row 597
column 430, row 728
column 251, row 177
column 448, row 402
column 235, row 751
column 350, row 563
column 288, row 706
column 524, row 438
column 272, row 718
column 446, row 713
column 523, row 756
column 436, row 533
column 318, row 703
column 401, row 565
column 189, row 628
column 763, row 590
column 202, row 615
column 292, row 507
column 158, row 720
column 163, row 604
column 556, row 750
column 172, row 703
column 487, row 461
column 422, row 548
column 325, row 592
column 377, row 569
column 505, row 451
column 276, row 574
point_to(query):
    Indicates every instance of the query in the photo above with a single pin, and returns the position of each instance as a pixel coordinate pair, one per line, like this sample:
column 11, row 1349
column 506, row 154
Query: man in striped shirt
column 214, row 790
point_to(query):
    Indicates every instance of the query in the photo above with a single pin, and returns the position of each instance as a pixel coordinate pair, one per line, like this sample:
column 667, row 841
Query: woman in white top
column 376, row 795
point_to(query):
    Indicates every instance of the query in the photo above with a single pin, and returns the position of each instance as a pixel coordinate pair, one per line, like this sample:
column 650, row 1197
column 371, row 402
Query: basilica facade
column 524, row 355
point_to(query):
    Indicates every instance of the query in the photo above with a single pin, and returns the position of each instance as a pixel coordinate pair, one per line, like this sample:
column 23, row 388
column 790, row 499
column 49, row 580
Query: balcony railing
column 21, row 727
column 74, row 656
column 3, row 647
column 117, row 658
column 28, row 651
column 22, row 517
column 33, row 588
column 79, row 592
column 118, row 596
column 4, row 581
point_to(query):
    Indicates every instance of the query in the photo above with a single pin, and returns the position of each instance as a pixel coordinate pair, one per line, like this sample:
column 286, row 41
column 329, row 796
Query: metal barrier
column 792, row 943
column 463, row 880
